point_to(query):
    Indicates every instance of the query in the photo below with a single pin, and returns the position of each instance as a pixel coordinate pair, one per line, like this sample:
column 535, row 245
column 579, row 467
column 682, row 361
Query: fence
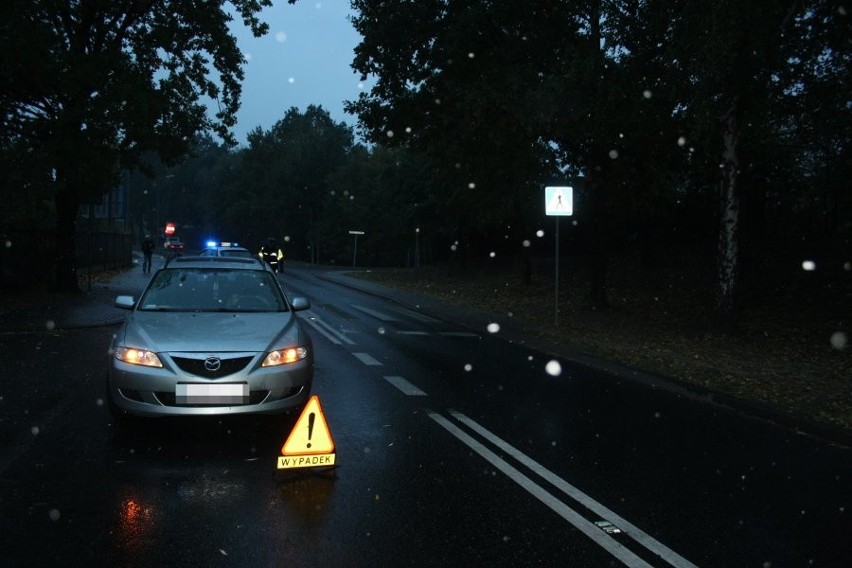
column 27, row 260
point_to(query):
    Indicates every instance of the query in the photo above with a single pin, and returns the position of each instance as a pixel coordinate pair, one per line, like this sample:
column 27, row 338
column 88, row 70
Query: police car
column 225, row 248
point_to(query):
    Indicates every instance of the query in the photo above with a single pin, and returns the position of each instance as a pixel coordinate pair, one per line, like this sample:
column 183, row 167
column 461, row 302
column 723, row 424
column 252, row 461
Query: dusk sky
column 304, row 59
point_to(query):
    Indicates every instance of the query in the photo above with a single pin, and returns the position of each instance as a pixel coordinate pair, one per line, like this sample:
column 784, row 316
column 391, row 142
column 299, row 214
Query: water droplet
column 553, row 368
column 809, row 265
column 468, row 367
column 35, row 430
column 493, row 327
column 54, row 515
column 839, row 340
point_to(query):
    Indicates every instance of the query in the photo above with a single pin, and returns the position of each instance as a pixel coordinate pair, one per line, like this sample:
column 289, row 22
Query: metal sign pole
column 355, row 253
column 558, row 201
column 556, row 279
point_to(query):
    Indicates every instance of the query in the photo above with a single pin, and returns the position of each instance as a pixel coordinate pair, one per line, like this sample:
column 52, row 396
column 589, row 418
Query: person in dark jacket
column 148, row 252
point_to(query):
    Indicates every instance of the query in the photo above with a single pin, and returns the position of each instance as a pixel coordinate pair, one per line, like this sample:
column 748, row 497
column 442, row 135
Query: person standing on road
column 272, row 254
column 147, row 251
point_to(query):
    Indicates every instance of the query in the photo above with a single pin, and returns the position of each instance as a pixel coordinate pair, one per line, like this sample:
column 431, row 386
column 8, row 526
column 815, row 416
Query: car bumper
column 154, row 392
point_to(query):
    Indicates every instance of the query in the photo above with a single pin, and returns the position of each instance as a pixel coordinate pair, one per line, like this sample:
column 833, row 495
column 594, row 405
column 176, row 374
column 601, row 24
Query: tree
column 500, row 92
column 731, row 55
column 284, row 176
column 91, row 86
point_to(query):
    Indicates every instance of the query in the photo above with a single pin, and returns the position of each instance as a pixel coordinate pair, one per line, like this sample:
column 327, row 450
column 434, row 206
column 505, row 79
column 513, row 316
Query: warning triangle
column 310, row 435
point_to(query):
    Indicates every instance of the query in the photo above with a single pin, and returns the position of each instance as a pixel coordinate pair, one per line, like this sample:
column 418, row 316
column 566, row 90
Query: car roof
column 235, row 262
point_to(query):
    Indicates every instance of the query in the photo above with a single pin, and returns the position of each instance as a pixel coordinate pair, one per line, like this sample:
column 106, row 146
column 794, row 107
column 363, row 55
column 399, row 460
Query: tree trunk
column 67, row 206
column 728, row 245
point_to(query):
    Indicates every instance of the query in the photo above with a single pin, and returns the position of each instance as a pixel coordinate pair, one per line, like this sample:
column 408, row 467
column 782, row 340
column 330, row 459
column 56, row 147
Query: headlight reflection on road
column 136, row 524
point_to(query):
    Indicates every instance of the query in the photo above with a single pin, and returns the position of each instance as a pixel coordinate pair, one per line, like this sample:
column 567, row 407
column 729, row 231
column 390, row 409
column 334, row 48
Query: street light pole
column 417, row 247
column 355, row 253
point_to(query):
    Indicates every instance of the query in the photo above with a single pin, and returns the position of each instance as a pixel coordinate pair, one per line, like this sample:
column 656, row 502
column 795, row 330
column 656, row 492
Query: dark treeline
column 722, row 127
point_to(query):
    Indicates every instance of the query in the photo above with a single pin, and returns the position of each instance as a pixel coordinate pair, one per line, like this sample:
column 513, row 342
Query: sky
column 304, row 59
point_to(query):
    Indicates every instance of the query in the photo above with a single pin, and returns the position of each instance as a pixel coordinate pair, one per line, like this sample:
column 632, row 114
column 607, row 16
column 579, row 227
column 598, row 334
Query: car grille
column 197, row 367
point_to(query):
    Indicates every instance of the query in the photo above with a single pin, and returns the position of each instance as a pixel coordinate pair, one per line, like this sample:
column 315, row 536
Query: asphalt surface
column 95, row 307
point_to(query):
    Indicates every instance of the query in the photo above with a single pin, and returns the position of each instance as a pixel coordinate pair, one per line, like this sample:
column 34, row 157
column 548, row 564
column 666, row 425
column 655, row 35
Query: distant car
column 173, row 245
column 226, row 249
column 210, row 336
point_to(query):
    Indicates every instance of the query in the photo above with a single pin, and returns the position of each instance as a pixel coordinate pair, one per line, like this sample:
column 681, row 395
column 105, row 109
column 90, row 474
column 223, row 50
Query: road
column 454, row 447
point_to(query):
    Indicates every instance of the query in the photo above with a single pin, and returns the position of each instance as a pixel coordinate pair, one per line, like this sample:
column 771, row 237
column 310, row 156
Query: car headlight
column 138, row 357
column 284, row 356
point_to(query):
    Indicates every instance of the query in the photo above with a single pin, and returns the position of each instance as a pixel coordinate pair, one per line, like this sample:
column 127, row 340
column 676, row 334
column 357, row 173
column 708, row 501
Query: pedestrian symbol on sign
column 559, row 201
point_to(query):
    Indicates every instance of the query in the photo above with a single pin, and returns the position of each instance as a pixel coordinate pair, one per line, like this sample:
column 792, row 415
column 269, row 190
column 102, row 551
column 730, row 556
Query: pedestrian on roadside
column 147, row 251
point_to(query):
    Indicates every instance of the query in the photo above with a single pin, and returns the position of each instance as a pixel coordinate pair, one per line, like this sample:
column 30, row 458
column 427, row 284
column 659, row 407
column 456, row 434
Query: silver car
column 210, row 335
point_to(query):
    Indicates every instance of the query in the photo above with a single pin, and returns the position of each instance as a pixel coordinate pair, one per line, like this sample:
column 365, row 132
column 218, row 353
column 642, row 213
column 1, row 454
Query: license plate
column 201, row 393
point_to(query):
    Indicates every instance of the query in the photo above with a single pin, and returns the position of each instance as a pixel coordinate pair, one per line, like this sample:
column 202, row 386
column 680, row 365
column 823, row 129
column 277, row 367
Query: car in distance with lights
column 226, row 249
column 173, row 246
column 210, row 336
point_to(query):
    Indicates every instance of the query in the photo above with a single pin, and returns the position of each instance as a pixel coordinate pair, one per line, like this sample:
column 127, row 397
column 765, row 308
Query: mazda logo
column 212, row 364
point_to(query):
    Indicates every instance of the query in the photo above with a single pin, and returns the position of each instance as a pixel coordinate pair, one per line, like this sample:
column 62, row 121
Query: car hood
column 210, row 332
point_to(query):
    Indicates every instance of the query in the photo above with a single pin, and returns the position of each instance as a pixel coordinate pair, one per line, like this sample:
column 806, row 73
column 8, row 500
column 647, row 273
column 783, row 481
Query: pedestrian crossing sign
column 559, row 200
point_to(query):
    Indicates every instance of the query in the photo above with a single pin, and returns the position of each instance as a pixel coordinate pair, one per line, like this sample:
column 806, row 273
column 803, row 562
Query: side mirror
column 299, row 304
column 125, row 302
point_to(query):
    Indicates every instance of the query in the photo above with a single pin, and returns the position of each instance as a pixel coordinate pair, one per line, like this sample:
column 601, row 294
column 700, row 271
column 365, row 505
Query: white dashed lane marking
column 405, row 386
column 368, row 359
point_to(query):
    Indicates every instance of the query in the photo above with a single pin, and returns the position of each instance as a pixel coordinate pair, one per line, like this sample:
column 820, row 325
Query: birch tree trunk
column 728, row 244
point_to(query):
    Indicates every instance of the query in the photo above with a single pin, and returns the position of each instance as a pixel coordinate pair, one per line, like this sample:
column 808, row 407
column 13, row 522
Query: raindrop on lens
column 839, row 340
column 50, row 325
column 381, row 331
column 493, row 327
column 468, row 367
column 54, row 514
column 809, row 265
column 35, row 430
column 539, row 233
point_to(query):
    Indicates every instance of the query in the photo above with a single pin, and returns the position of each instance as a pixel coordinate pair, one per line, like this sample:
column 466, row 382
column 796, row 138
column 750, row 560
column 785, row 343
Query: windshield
column 217, row 290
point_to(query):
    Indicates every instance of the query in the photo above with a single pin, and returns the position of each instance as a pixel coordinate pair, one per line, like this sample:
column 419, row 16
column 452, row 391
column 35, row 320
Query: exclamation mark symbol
column 311, row 417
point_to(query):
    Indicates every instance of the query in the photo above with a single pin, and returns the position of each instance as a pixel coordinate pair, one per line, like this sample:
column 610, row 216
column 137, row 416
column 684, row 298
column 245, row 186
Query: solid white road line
column 632, row 531
column 329, row 332
column 586, row 527
column 417, row 315
column 374, row 313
